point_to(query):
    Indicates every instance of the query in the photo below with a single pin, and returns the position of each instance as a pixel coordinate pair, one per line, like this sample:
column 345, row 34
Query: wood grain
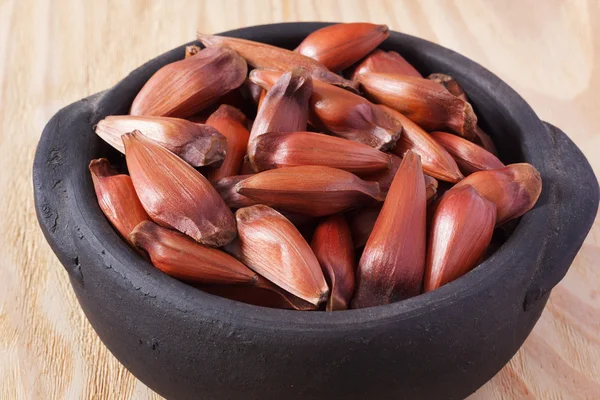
column 55, row 52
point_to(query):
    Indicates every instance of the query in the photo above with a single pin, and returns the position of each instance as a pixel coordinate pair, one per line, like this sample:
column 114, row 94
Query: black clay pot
column 445, row 344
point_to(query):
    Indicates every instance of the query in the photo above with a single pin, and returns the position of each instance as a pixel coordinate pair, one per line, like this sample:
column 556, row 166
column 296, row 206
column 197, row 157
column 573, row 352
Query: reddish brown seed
column 273, row 247
column 116, row 197
column 185, row 87
column 197, row 144
column 261, row 55
column 343, row 113
column 352, row 117
column 227, row 190
column 514, row 189
column 340, row 45
column 385, row 62
column 181, row 257
column 310, row 190
column 231, row 122
column 284, row 108
column 469, row 157
column 175, row 195
column 392, row 265
column 481, row 138
column 461, row 230
column 436, row 161
column 264, row 293
column 332, row 244
column 290, row 149
column 425, row 102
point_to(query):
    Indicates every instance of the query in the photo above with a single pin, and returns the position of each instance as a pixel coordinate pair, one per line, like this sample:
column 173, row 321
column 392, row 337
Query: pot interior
column 495, row 116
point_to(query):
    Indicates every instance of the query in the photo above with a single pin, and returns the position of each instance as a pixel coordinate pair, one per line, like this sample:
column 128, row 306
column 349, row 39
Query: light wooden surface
column 53, row 53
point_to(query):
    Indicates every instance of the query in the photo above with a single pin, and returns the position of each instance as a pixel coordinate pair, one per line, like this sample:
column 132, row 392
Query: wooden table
column 54, row 53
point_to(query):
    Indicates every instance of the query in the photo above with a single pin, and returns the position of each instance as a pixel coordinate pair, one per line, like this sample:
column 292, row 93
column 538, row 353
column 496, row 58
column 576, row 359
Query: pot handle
column 52, row 176
column 575, row 203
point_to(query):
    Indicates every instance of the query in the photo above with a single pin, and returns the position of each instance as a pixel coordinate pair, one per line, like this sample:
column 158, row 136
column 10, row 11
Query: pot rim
column 527, row 237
